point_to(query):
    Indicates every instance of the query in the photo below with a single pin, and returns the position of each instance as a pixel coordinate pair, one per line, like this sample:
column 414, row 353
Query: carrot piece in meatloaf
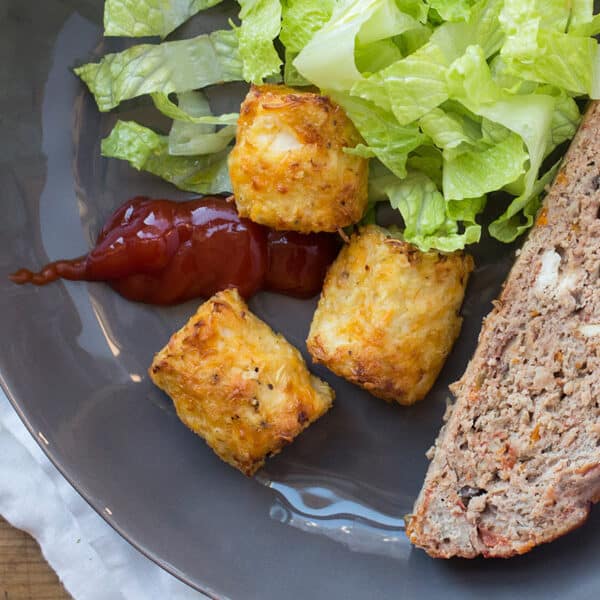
column 288, row 168
column 237, row 384
column 389, row 314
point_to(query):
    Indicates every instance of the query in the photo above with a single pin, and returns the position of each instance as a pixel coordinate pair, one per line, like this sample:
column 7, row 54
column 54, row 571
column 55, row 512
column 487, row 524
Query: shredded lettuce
column 485, row 169
column 261, row 22
column 328, row 60
column 411, row 87
column 146, row 150
column 539, row 48
column 168, row 67
column 385, row 138
column 190, row 133
column 192, row 108
column 429, row 221
column 454, row 99
column 139, row 18
column 519, row 215
column 301, row 19
column 452, row 10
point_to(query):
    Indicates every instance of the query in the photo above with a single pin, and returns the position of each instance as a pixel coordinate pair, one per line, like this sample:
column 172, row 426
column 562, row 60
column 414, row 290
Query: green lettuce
column 477, row 172
column 385, row 138
column 188, row 136
column 451, row 129
column 452, row 10
column 301, row 19
column 454, row 99
column 147, row 150
column 168, row 67
column 529, row 116
column 417, row 9
column 328, row 59
column 376, row 56
column 539, row 48
column 411, row 87
column 139, row 18
column 261, row 22
column 565, row 118
column 193, row 107
column 291, row 76
column 431, row 222
column 519, row 215
column 429, row 160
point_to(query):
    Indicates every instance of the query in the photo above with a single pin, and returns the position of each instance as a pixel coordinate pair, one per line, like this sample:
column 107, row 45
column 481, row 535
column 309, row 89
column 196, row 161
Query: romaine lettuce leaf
column 565, row 118
column 188, row 137
column 139, row 18
column 582, row 14
column 470, row 80
column 417, row 9
column 466, row 210
column 301, row 19
column 291, row 76
column 376, row 56
column 413, row 39
column 450, row 130
column 261, row 22
column 412, row 86
column 481, row 29
column 464, row 96
column 184, row 140
column 427, row 222
column 452, row 10
column 539, row 49
column 386, row 139
column 586, row 28
column 520, row 213
column 192, row 108
column 380, row 179
column 168, row 67
column 529, row 116
column 476, row 172
column 559, row 59
column 328, row 58
column 428, row 160
column 146, row 150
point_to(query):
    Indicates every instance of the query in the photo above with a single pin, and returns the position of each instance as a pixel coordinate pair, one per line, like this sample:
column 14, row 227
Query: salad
column 454, row 99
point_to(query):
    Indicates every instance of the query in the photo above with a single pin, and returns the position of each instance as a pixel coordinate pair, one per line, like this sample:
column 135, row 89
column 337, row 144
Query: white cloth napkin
column 91, row 559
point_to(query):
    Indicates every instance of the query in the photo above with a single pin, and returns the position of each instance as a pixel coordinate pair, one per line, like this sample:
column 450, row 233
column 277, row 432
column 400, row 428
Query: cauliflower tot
column 389, row 314
column 237, row 384
column 288, row 168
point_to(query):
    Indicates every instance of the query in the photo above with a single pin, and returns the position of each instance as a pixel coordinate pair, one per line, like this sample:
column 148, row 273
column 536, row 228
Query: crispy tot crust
column 288, row 168
column 388, row 315
column 237, row 384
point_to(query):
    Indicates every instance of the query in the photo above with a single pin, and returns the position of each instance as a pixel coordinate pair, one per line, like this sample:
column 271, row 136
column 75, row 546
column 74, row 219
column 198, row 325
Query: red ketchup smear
column 165, row 252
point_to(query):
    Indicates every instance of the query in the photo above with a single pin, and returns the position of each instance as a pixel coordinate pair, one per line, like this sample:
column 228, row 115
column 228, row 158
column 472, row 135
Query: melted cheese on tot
column 389, row 314
column 288, row 168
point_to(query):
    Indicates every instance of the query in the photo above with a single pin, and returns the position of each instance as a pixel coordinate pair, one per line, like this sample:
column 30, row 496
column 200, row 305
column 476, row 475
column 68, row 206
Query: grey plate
column 328, row 524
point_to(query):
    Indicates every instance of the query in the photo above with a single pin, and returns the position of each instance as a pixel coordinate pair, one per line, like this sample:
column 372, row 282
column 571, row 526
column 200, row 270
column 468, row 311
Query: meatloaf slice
column 517, row 463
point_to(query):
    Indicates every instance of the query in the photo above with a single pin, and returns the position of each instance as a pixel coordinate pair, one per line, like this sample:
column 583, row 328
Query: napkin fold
column 91, row 559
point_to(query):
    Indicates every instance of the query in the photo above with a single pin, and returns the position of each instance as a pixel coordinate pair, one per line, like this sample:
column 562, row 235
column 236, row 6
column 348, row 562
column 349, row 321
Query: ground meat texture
column 525, row 429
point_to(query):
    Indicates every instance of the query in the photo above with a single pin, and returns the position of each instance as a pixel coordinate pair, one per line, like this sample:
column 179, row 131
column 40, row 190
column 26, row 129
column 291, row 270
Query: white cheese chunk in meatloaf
column 518, row 462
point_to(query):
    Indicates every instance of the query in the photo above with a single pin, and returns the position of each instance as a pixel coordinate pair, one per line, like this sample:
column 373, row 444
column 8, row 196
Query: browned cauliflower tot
column 288, row 168
column 237, row 384
column 389, row 314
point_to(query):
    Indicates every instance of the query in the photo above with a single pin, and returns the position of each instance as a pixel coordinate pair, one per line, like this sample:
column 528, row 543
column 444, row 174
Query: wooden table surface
column 24, row 574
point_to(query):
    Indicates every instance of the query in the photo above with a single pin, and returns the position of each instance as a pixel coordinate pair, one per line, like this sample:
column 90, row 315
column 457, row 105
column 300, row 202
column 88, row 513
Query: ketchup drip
column 164, row 252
